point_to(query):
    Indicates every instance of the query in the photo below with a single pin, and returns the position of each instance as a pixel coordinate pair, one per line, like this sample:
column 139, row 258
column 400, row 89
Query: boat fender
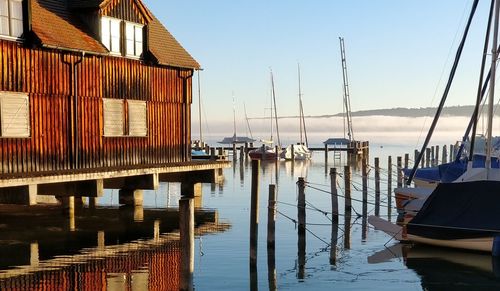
column 495, row 250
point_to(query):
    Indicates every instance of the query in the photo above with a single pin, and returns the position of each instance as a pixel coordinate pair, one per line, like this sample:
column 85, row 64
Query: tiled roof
column 58, row 26
column 166, row 49
column 55, row 26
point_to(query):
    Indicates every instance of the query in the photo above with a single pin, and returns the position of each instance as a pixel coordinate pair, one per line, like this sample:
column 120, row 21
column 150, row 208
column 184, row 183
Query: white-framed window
column 137, row 118
column 113, row 117
column 11, row 18
column 110, row 33
column 14, row 114
column 134, row 39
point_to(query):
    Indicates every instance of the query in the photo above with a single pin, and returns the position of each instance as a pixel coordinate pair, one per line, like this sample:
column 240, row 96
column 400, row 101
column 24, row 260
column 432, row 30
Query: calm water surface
column 131, row 249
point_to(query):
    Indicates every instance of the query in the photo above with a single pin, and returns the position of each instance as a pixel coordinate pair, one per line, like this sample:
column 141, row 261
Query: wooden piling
column 254, row 213
column 415, row 157
column 436, row 157
column 326, row 154
column 452, row 153
column 263, row 152
column 334, row 193
column 212, row 154
column 186, row 228
column 271, row 217
column 292, row 147
column 242, row 153
column 364, row 180
column 347, row 187
column 301, row 209
column 235, row 154
column 407, row 159
column 377, row 187
column 444, row 156
column 427, row 157
column 432, row 161
column 389, row 184
column 399, row 173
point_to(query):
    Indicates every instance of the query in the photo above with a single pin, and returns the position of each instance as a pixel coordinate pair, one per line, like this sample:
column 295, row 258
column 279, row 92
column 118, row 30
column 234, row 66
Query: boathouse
column 94, row 94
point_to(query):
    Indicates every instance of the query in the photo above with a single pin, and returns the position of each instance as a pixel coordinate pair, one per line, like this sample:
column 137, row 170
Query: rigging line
column 445, row 93
column 313, row 234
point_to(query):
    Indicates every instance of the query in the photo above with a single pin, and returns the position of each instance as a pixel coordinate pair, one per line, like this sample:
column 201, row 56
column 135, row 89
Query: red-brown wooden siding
column 45, row 76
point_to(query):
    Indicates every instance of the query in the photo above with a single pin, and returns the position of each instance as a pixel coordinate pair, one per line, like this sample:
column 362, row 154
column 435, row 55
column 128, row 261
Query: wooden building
column 90, row 87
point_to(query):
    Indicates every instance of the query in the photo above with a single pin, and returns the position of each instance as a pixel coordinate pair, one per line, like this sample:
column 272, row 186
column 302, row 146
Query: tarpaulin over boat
column 459, row 210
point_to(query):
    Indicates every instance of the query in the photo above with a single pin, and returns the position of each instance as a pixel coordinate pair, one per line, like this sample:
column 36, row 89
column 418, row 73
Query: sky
column 399, row 52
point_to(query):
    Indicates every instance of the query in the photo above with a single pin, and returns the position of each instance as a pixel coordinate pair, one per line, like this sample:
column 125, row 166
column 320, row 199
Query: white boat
column 465, row 213
column 298, row 151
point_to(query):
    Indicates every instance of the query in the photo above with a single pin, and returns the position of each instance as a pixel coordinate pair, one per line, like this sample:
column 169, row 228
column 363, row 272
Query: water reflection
column 127, row 248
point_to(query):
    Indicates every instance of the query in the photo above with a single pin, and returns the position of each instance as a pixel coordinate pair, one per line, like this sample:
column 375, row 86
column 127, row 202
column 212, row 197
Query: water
column 134, row 249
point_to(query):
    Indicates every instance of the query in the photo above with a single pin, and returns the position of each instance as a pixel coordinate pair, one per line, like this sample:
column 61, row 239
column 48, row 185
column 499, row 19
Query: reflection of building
column 155, row 268
column 108, row 249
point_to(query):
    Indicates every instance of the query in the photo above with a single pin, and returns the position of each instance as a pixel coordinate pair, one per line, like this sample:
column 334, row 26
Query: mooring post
column 436, row 158
column 277, row 151
column 212, row 154
column 389, row 184
column 235, row 154
column 263, row 152
column 427, row 157
column 271, row 217
column 444, row 158
column 254, row 213
column 452, row 153
column 333, row 190
column 301, row 209
column 326, row 154
column 400, row 173
column 415, row 157
column 207, row 149
column 347, row 187
column 432, row 157
column 407, row 159
column 242, row 153
column 293, row 152
column 334, row 240
column 186, row 228
column 364, row 180
column 377, row 187
column 246, row 147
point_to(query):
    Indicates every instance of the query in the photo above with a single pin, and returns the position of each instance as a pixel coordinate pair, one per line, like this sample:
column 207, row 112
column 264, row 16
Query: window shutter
column 113, row 117
column 137, row 117
column 15, row 114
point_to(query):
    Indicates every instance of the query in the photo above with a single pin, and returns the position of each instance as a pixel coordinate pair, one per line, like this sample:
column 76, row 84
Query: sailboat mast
column 347, row 100
column 300, row 104
column 199, row 105
column 248, row 123
column 234, row 119
column 275, row 111
column 491, row 97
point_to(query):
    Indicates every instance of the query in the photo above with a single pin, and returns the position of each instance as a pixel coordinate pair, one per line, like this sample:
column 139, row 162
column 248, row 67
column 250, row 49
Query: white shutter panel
column 15, row 114
column 113, row 117
column 137, row 118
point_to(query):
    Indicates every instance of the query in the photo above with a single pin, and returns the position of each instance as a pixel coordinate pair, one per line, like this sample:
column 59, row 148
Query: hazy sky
column 398, row 52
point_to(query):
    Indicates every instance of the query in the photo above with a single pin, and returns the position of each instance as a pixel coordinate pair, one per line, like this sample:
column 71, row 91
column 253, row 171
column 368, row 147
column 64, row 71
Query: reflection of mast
column 347, row 100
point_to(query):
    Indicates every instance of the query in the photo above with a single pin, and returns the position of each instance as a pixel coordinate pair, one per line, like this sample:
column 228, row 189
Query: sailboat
column 236, row 139
column 465, row 213
column 267, row 151
column 298, row 151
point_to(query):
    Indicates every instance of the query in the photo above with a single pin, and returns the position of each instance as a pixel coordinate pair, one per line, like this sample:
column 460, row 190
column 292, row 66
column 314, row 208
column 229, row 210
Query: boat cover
column 459, row 210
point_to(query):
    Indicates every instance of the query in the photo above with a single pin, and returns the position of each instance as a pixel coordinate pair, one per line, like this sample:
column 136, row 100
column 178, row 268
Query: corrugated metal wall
column 47, row 77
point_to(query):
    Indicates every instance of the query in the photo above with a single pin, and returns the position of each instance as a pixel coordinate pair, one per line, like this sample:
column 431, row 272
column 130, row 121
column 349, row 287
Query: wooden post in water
column 415, row 156
column 333, row 191
column 263, row 152
column 377, row 187
column 293, row 152
column 432, row 157
column 399, row 173
column 246, row 147
column 242, row 153
column 364, row 180
column 427, row 157
column 254, row 213
column 436, row 158
column 389, row 184
column 347, row 187
column 452, row 153
column 186, row 227
column 271, row 217
column 212, row 154
column 407, row 159
column 326, row 154
column 301, row 209
column 235, row 154
column 444, row 158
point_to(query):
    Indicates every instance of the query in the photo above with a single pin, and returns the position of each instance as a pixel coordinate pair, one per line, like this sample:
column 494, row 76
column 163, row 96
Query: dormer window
column 11, row 18
column 133, row 34
column 110, row 33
